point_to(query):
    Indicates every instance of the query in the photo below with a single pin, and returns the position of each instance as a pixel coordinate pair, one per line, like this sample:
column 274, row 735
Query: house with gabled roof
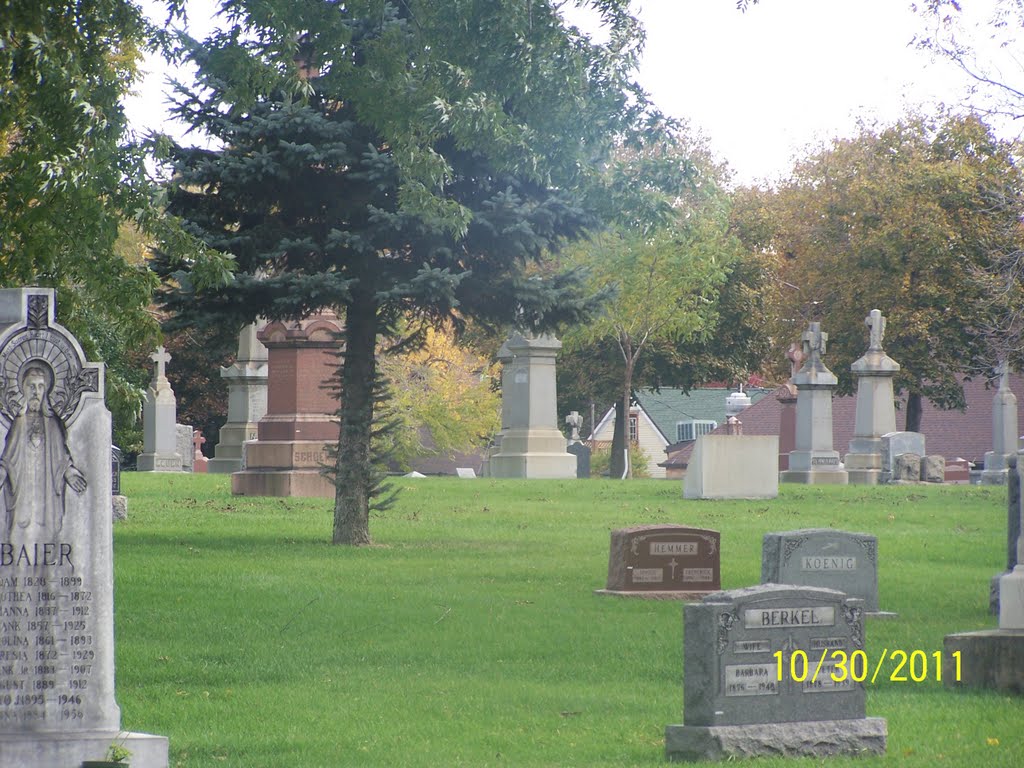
column 659, row 418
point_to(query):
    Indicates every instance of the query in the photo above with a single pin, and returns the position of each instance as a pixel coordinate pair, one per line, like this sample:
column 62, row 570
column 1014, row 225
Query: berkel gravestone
column 663, row 561
column 753, row 684
column 57, row 704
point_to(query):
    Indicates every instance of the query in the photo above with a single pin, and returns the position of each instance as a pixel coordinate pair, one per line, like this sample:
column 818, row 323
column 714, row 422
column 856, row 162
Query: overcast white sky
column 763, row 85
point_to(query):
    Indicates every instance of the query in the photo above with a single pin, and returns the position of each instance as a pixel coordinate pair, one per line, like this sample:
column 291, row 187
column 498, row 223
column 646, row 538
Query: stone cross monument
column 1004, row 431
column 876, row 406
column 814, row 460
column 159, row 413
column 57, row 704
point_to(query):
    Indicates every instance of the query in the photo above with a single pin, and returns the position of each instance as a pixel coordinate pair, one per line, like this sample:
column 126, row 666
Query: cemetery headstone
column 814, row 461
column 752, row 682
column 57, row 705
column 787, row 396
column 186, row 442
column 993, row 658
column 531, row 445
column 292, row 438
column 663, row 561
column 466, row 473
column 933, row 469
column 876, row 406
column 733, row 467
column 582, row 453
column 824, row 557
column 199, row 462
column 908, row 468
column 1004, row 431
column 247, row 400
column 159, row 411
column 119, row 503
column 894, row 445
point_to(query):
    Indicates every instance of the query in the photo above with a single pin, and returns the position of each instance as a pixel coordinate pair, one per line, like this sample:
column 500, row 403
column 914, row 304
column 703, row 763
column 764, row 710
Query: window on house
column 634, row 426
column 694, row 428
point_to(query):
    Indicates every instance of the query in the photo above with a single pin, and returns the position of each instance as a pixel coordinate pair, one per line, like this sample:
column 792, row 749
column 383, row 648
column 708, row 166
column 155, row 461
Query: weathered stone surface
column 895, row 444
column 733, row 467
column 120, row 507
column 908, row 468
column 823, row 557
column 991, row 658
column 185, row 437
column 804, row 739
column 664, row 561
column 933, row 469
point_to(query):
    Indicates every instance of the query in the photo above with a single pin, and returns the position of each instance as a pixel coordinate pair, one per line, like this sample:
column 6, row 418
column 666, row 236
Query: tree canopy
column 394, row 161
column 909, row 219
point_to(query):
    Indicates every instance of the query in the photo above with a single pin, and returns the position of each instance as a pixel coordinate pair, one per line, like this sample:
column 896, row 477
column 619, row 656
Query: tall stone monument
column 247, row 400
column 531, row 444
column 57, row 704
column 876, row 406
column 814, row 461
column 290, row 449
column 1004, row 431
column 159, row 430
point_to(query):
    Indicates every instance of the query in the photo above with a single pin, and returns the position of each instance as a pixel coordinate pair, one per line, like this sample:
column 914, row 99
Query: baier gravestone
column 763, row 674
column 57, row 703
column 663, row 561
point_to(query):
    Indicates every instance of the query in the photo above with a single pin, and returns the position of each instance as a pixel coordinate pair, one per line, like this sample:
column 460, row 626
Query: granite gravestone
column 1013, row 514
column 733, row 467
column 159, row 432
column 823, row 557
column 663, row 561
column 1004, row 431
column 185, row 441
column 247, row 400
column 896, row 444
column 752, row 682
column 57, row 703
column 576, row 447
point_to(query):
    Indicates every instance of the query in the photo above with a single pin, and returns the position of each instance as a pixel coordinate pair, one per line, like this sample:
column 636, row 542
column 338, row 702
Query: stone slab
column 663, row 561
column 733, row 467
column 734, row 643
column 70, row 750
column 582, row 453
column 299, row 482
column 801, row 739
column 992, row 658
column 814, row 476
column 119, row 506
column 823, row 557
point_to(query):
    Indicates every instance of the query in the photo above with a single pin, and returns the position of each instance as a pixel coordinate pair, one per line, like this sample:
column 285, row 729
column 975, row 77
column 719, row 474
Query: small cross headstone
column 199, row 462
column 574, row 421
column 876, row 325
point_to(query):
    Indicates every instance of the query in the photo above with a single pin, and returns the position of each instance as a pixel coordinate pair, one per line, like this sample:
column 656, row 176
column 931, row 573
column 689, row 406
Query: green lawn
column 469, row 635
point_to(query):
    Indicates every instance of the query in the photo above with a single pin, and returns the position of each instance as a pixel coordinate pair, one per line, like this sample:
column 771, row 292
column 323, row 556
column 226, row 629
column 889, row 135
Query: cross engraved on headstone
column 161, row 358
column 814, row 341
column 876, row 325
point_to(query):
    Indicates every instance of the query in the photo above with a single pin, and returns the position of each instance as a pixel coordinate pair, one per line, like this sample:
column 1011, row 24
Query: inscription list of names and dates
column 48, row 640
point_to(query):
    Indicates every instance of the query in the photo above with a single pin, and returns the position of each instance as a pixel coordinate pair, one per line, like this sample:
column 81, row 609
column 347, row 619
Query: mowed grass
column 470, row 634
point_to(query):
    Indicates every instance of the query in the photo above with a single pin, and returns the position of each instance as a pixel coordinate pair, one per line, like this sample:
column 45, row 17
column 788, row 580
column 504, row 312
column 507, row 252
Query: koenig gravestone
column 763, row 674
column 824, row 557
column 57, row 704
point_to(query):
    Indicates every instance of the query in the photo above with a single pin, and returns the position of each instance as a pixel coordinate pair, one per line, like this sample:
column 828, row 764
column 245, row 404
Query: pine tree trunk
column 354, row 478
column 913, row 412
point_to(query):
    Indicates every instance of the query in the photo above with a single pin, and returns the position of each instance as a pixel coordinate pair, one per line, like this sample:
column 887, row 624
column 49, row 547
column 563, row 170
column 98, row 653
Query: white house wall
column 649, row 438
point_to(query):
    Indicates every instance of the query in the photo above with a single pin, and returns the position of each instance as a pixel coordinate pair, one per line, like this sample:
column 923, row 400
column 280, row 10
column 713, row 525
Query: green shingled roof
column 667, row 407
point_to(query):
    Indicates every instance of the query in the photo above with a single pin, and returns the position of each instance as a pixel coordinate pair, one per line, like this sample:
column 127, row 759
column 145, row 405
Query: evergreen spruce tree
column 397, row 159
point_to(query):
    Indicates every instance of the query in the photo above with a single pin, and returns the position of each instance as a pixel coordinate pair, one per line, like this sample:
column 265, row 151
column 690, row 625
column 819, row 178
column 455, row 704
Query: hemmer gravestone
column 57, row 703
column 753, row 684
column 824, row 557
column 663, row 561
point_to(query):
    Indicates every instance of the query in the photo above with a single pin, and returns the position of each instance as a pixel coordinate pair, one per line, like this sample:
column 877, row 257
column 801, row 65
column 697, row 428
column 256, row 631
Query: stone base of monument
column 733, row 467
column 991, row 658
column 815, row 476
column 283, row 468
column 824, row 738
column 863, row 468
column 993, row 477
column 69, row 751
column 532, row 453
column 665, row 594
column 227, row 456
column 159, row 462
